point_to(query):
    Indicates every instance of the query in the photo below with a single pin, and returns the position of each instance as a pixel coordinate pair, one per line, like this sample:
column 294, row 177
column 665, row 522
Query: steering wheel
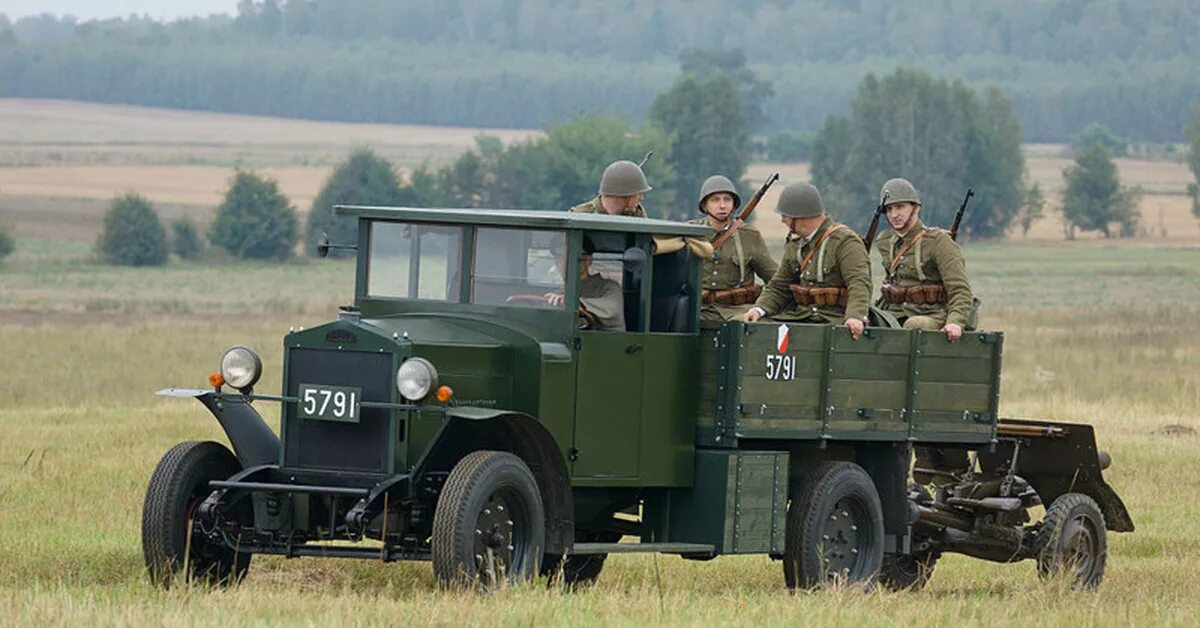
column 587, row 320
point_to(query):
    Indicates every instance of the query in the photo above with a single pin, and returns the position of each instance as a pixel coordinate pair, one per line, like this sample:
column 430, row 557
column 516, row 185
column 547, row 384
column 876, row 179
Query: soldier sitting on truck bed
column 622, row 188
column 925, row 276
column 824, row 276
column 925, row 286
column 601, row 302
column 727, row 280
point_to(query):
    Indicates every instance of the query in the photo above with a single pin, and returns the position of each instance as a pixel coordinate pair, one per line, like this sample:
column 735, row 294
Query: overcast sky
column 88, row 9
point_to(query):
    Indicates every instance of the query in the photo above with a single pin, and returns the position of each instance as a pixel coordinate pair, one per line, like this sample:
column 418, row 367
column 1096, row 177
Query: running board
column 639, row 548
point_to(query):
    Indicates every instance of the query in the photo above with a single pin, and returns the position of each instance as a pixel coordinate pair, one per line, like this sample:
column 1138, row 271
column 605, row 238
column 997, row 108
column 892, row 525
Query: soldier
column 925, row 277
column 601, row 302
column 622, row 188
column 727, row 280
column 824, row 276
column 925, row 286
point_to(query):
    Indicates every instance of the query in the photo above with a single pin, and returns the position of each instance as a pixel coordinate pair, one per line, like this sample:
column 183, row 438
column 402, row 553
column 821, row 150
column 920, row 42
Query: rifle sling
column 816, row 247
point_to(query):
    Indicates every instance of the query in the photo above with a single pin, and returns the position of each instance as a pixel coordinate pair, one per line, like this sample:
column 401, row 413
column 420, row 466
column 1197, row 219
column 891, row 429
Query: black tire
column 581, row 570
column 489, row 525
column 834, row 527
column 901, row 572
column 1073, row 539
column 178, row 485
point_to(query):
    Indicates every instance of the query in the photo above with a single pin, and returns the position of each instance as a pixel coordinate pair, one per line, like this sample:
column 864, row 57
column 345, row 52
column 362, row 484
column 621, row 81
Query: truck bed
column 890, row 385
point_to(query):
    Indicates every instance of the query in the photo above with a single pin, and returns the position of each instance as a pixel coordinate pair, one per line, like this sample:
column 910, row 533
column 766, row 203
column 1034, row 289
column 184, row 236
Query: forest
column 526, row 63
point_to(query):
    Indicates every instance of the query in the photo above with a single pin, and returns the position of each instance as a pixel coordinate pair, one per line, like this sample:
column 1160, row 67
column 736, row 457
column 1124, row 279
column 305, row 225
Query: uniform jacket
column 842, row 263
column 741, row 257
column 594, row 207
column 935, row 258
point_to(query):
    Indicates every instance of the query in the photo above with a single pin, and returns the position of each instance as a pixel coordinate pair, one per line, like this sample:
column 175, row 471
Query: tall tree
column 1094, row 199
column 754, row 90
column 938, row 134
column 708, row 128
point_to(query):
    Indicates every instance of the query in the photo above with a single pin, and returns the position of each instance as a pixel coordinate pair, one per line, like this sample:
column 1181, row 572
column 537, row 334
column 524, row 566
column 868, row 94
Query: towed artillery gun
column 458, row 414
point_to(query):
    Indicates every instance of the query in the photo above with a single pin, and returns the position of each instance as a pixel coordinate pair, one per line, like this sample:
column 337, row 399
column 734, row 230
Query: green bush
column 363, row 178
column 133, row 235
column 255, row 221
column 185, row 239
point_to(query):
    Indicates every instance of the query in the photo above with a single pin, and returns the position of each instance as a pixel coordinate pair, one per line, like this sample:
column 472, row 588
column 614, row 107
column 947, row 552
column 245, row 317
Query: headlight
column 241, row 368
column 415, row 378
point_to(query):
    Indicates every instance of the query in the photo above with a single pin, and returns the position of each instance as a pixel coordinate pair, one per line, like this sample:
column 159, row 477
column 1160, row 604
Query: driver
column 598, row 296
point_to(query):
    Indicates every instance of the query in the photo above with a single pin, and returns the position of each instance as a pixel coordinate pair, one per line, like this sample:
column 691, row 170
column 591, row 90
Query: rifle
column 958, row 217
column 874, row 228
column 649, row 153
column 745, row 213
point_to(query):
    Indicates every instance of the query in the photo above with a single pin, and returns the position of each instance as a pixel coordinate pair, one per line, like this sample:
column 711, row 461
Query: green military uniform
column 839, row 262
column 734, row 265
column 603, row 298
column 932, row 259
column 594, row 207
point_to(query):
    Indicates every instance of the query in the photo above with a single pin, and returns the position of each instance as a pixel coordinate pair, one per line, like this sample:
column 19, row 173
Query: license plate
column 329, row 403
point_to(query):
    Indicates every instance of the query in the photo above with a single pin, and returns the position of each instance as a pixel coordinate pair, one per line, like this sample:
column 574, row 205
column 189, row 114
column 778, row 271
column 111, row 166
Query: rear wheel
column 489, row 524
column 1073, row 540
column 178, row 485
column 834, row 527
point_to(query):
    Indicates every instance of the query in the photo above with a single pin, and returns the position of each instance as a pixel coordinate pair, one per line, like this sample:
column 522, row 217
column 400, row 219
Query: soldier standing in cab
column 623, row 186
column 727, row 280
column 925, row 276
column 824, row 276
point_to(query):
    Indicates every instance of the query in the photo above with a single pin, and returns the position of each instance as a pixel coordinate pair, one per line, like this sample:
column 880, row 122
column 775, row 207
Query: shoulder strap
column 900, row 253
column 817, row 246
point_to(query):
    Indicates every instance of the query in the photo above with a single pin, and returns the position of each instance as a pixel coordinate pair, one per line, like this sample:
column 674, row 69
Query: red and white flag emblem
column 781, row 338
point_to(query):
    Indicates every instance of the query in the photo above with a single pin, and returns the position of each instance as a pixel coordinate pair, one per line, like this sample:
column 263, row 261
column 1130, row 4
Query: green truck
column 465, row 410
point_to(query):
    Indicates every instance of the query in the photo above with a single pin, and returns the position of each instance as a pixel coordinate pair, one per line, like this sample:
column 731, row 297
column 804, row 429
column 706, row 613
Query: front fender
column 253, row 441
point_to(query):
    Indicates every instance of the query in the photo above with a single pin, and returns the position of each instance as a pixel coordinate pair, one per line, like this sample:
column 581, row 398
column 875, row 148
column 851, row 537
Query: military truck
column 465, row 411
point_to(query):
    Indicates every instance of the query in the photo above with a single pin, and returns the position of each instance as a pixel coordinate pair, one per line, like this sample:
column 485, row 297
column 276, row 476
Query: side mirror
column 634, row 259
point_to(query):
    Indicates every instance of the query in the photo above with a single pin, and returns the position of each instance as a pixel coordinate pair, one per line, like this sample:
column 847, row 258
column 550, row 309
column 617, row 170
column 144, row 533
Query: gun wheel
column 1073, row 541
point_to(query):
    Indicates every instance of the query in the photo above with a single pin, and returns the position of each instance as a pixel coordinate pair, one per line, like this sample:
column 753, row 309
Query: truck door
column 608, row 405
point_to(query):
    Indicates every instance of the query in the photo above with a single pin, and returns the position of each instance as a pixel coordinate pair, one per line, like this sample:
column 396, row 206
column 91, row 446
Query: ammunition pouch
column 920, row 294
column 821, row 296
column 731, row 296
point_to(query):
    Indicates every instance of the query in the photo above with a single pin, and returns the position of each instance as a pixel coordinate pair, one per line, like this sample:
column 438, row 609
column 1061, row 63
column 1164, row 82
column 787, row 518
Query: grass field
column 1097, row 332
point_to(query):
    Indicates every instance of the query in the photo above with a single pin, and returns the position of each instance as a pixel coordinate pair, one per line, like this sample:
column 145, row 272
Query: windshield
column 518, row 267
column 414, row 261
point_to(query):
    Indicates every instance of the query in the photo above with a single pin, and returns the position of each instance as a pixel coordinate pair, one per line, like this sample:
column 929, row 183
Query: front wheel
column 178, row 485
column 834, row 527
column 1073, row 540
column 489, row 523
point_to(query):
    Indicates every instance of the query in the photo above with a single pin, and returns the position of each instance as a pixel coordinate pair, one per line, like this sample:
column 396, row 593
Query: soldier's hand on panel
column 953, row 331
column 856, row 327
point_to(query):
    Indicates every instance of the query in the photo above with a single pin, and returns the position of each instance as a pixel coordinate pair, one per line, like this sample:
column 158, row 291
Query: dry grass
column 1105, row 341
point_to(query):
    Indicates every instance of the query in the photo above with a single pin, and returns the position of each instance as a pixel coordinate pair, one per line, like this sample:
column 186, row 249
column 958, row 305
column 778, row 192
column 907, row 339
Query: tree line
column 526, row 63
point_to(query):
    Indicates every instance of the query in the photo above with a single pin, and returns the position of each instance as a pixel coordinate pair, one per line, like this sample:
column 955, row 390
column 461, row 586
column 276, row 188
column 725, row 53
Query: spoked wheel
column 178, row 485
column 489, row 526
column 834, row 527
column 1074, row 540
